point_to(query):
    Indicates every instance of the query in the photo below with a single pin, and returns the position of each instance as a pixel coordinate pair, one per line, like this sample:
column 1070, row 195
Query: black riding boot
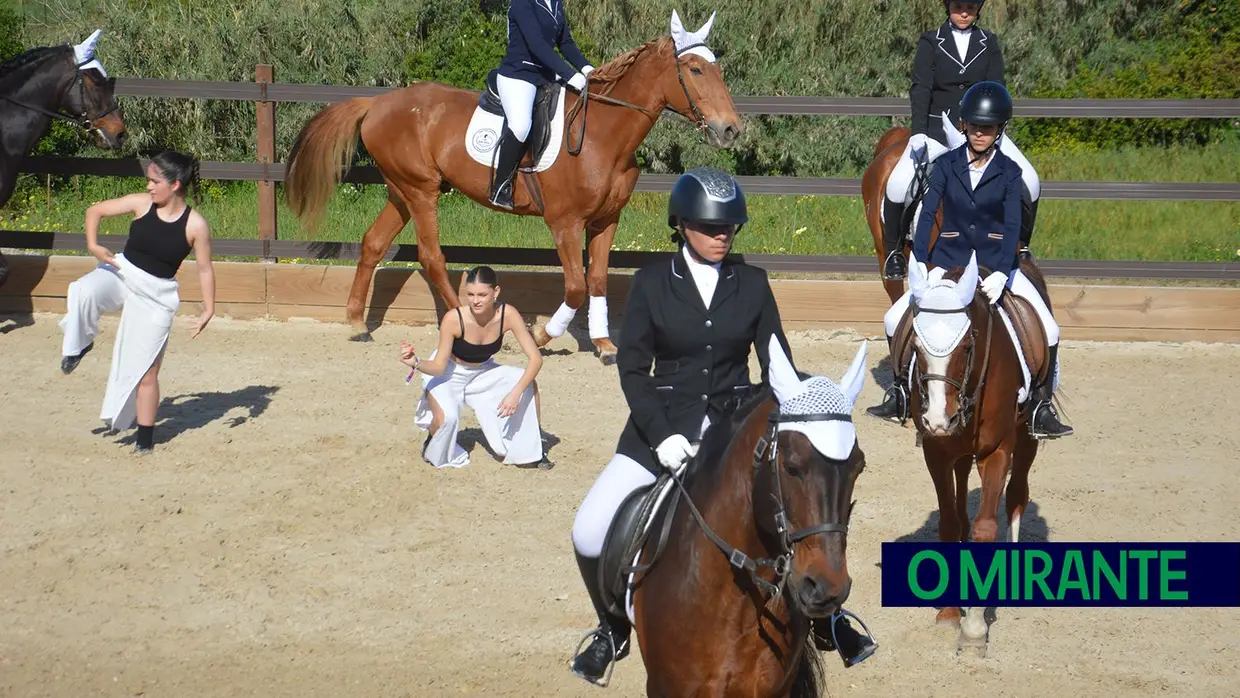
column 895, row 401
column 68, row 363
column 1044, row 422
column 1028, row 217
column 510, row 152
column 853, row 647
column 895, row 267
column 612, row 632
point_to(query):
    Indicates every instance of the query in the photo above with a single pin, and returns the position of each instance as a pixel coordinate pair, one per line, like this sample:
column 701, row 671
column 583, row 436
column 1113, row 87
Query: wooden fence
column 267, row 170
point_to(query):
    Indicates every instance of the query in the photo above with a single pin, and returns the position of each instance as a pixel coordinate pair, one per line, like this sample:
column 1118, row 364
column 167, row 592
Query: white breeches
column 517, row 96
column 516, row 439
column 618, row 480
column 901, row 179
column 1017, row 284
column 97, row 292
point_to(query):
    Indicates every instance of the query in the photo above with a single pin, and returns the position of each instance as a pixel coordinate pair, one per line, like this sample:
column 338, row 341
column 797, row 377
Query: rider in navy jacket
column 985, row 218
column 536, row 28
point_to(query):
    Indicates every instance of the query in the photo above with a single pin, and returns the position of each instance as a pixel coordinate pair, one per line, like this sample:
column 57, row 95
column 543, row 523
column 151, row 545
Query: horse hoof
column 971, row 645
column 363, row 336
column 541, row 338
column 606, row 351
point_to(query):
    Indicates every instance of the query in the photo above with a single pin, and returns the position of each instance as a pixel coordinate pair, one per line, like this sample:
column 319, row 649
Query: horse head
column 946, row 312
column 696, row 89
column 814, row 460
column 92, row 97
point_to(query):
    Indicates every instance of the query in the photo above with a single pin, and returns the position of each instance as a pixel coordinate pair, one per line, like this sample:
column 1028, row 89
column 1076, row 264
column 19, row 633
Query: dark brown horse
column 417, row 137
column 52, row 82
column 963, row 402
column 873, row 187
column 757, row 545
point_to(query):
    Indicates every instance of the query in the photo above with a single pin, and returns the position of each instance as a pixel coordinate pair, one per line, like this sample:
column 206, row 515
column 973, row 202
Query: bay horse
column 965, row 387
column 887, row 153
column 418, row 136
column 53, row 82
column 755, row 553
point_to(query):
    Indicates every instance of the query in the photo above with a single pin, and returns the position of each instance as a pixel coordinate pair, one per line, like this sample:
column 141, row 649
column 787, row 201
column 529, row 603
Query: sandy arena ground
column 287, row 540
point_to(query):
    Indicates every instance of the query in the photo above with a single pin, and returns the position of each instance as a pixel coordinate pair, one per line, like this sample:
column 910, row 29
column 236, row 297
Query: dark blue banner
column 935, row 574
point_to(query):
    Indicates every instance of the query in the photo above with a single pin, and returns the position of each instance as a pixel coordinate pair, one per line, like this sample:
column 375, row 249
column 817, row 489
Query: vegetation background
column 857, row 48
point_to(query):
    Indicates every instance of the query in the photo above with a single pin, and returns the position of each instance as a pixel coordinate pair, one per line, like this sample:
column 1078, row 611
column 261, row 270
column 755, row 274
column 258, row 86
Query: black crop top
column 477, row 353
column 157, row 246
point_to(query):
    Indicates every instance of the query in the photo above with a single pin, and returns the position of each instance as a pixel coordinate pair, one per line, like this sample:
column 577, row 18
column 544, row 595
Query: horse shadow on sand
column 183, row 413
column 1033, row 529
column 15, row 321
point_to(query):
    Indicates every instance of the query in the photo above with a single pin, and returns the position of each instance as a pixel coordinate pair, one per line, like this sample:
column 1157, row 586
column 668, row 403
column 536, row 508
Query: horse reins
column 765, row 453
column 583, row 105
column 965, row 403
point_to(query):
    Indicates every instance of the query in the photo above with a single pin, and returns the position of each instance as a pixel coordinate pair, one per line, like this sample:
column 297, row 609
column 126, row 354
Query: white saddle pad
column 484, row 129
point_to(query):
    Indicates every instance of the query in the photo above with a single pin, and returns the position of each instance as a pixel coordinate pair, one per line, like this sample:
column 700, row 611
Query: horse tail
column 321, row 154
column 810, row 680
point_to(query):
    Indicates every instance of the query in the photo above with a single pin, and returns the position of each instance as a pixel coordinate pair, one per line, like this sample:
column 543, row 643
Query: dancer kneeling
column 141, row 283
column 693, row 318
column 463, row 372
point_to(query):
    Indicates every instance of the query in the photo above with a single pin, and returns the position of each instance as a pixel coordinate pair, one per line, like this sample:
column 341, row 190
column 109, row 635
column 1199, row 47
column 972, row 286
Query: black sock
column 146, row 436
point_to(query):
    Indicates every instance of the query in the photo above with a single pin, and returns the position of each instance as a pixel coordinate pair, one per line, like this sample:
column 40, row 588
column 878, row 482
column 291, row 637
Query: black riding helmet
column 947, row 7
column 986, row 102
column 707, row 195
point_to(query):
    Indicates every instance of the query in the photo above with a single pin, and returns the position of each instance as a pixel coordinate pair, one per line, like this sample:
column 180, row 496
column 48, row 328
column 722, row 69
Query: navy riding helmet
column 707, row 195
column 986, row 102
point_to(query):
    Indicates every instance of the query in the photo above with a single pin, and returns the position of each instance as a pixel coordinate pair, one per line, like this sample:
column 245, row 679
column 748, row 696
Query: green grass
column 1099, row 230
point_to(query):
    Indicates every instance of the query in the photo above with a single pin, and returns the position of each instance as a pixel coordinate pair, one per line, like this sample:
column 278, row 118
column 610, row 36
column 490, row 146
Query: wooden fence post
column 266, row 111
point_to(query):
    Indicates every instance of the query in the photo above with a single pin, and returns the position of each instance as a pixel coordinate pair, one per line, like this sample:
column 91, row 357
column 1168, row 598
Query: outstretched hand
column 407, row 355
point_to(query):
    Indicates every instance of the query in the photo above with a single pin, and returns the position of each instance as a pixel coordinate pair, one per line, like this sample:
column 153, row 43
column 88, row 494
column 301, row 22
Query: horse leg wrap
column 598, row 318
column 558, row 323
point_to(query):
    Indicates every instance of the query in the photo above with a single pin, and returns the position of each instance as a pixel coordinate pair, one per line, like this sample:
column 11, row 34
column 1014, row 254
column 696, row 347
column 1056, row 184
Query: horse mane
column 614, row 70
column 28, row 57
column 718, row 437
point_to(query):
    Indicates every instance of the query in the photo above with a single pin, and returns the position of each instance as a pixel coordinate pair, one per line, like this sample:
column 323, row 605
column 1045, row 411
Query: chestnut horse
column 416, row 136
column 873, row 188
column 756, row 548
column 43, row 84
column 963, row 396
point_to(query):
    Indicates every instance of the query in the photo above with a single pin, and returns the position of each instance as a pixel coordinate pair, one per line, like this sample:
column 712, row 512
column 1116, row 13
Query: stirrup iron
column 611, row 664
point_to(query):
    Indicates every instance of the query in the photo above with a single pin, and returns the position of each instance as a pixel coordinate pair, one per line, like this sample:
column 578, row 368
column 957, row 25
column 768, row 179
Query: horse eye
column 695, row 71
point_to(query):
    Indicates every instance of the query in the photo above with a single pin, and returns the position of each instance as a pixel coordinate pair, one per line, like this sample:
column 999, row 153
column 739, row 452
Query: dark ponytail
column 482, row 275
column 180, row 167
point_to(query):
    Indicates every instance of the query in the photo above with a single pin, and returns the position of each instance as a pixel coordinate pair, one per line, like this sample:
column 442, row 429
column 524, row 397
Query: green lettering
column 1165, row 575
column 915, row 587
column 998, row 568
column 1015, row 593
column 1039, row 577
column 1103, row 569
column 1143, row 575
column 1073, row 564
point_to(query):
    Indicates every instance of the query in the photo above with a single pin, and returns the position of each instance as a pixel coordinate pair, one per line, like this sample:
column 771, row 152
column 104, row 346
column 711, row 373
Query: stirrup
column 605, row 634
column 1039, row 407
column 868, row 648
column 895, row 260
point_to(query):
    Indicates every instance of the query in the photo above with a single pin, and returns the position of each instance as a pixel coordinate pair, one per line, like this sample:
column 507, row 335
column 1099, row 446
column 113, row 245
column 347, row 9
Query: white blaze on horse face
column 936, row 400
column 84, row 54
column 683, row 39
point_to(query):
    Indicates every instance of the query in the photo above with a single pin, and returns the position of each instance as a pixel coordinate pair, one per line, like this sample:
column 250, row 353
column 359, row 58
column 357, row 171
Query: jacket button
column 972, row 204
column 708, row 323
column 971, row 226
column 708, row 347
column 703, row 397
column 705, row 371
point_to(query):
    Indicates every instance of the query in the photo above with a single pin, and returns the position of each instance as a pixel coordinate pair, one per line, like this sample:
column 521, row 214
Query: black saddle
column 641, row 514
column 545, row 100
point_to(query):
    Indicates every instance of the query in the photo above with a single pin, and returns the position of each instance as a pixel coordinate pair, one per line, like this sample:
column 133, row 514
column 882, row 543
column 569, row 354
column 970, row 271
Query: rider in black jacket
column 693, row 318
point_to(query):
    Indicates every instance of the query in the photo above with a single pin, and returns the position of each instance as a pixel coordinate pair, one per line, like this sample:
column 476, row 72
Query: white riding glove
column 916, row 142
column 587, row 70
column 675, row 452
column 993, row 285
column 578, row 82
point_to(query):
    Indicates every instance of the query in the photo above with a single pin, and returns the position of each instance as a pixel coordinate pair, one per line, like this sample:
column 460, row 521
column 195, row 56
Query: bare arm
column 447, row 332
column 533, row 357
column 199, row 233
column 135, row 204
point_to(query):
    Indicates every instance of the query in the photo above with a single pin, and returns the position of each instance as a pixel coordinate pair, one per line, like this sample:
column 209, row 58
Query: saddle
column 1025, row 321
column 545, row 100
column 647, row 509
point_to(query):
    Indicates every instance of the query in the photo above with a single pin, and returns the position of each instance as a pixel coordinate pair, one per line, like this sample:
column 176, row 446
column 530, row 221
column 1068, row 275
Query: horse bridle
column 766, row 454
column 84, row 120
column 965, row 403
column 583, row 105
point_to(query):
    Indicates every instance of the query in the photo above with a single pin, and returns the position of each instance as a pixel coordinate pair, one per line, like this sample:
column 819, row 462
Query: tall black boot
column 895, row 401
column 895, row 267
column 1044, row 422
column 510, row 152
column 610, row 639
column 1028, row 217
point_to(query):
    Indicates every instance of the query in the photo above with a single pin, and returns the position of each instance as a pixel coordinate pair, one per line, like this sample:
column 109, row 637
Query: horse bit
column 583, row 105
column 965, row 403
column 84, row 120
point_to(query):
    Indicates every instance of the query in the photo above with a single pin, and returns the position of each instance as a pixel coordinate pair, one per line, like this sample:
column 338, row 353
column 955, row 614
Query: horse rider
column 693, row 317
column 949, row 60
column 979, row 186
column 536, row 28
